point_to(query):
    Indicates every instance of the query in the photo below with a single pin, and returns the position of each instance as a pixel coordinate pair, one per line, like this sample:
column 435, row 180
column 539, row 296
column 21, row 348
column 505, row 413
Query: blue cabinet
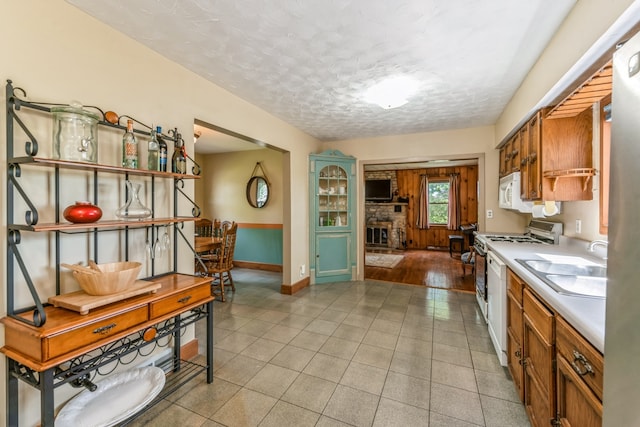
column 332, row 234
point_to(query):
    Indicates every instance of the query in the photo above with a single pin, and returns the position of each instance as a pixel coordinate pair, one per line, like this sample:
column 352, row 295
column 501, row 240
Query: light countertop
column 585, row 314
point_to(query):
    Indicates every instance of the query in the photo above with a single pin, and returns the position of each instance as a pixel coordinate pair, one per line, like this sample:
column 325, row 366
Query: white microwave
column 509, row 194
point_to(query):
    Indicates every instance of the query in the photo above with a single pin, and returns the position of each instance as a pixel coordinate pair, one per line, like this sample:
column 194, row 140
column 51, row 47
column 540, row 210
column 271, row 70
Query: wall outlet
column 489, row 213
column 578, row 226
column 302, row 270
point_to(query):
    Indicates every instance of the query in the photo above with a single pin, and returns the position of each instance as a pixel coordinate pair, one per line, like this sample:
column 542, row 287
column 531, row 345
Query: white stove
column 491, row 276
column 536, row 232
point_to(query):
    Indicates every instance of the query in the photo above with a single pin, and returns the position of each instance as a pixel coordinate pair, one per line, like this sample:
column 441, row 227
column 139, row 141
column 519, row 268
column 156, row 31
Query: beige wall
column 224, row 181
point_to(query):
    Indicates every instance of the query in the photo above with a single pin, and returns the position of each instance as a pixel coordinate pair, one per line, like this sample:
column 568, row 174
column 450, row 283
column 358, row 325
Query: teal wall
column 263, row 245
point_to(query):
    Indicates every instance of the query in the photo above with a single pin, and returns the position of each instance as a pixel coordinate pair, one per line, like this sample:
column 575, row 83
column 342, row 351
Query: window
column 438, row 202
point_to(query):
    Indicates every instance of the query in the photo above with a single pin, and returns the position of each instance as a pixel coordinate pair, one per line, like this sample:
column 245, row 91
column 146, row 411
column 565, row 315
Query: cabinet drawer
column 515, row 285
column 179, row 300
column 539, row 316
column 73, row 339
column 584, row 359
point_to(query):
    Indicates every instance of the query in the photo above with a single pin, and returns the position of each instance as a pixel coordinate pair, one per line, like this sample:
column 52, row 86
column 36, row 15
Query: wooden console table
column 70, row 347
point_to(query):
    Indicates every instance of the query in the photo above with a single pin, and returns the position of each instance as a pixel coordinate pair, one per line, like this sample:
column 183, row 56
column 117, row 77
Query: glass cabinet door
column 333, row 197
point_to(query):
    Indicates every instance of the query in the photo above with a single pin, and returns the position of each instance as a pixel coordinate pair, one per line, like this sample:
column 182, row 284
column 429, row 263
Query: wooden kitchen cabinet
column 557, row 373
column 510, row 155
column 554, row 156
column 538, row 351
column 515, row 331
column 580, row 370
column 531, row 170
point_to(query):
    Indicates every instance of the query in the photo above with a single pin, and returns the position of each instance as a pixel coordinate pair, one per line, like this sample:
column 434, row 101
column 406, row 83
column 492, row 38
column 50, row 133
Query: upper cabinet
column 553, row 150
column 554, row 157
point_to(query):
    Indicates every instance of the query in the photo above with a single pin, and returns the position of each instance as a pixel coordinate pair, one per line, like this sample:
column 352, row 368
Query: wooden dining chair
column 219, row 268
column 468, row 258
column 203, row 227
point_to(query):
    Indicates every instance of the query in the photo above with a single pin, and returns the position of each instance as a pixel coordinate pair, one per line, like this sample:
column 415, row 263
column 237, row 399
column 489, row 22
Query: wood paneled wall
column 437, row 236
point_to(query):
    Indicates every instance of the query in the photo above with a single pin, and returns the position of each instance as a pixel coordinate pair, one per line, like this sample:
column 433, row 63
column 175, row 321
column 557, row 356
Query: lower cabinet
column 579, row 374
column 515, row 286
column 558, row 374
column 538, row 350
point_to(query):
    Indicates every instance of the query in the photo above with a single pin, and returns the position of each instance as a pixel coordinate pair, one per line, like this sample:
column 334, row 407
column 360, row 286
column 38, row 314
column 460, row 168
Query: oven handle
column 480, row 251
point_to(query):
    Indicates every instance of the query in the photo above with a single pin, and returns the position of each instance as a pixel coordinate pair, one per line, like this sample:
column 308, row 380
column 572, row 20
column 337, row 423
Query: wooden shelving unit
column 47, row 346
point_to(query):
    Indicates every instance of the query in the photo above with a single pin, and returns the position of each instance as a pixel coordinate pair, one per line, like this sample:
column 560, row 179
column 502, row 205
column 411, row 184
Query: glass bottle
column 178, row 161
column 153, row 153
column 133, row 207
column 162, row 154
column 129, row 148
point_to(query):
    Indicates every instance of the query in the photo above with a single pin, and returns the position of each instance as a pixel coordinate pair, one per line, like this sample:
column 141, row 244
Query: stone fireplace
column 386, row 221
column 386, row 225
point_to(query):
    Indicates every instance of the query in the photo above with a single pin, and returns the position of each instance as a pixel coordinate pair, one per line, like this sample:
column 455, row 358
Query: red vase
column 82, row 212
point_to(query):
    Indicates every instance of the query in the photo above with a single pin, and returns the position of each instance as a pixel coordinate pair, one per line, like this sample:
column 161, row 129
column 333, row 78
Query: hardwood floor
column 430, row 268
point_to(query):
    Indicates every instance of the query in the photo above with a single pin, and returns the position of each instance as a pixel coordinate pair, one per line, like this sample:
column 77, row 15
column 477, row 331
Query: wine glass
column 166, row 240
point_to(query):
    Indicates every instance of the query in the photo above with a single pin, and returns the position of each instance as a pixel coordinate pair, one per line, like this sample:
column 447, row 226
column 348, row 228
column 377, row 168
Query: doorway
column 229, row 161
column 391, row 231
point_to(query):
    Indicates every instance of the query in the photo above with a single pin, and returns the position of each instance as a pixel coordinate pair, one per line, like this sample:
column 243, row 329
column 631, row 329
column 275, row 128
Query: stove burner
column 511, row 238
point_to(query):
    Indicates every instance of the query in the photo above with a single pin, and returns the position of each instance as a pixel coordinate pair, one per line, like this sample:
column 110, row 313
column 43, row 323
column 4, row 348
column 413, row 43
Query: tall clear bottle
column 129, row 148
column 162, row 153
column 179, row 160
column 153, row 156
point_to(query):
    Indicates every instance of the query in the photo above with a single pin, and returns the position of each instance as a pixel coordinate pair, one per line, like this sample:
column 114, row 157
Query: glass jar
column 75, row 134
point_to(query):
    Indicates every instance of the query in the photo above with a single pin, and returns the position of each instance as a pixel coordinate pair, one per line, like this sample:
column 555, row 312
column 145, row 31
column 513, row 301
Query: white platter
column 117, row 398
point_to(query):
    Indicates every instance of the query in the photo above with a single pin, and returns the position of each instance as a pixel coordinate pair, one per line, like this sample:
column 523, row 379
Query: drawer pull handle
column 104, row 330
column 580, row 364
column 184, row 300
column 518, row 354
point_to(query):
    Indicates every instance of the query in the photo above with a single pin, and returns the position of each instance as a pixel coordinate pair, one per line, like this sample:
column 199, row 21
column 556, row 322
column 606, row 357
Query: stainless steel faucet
column 594, row 243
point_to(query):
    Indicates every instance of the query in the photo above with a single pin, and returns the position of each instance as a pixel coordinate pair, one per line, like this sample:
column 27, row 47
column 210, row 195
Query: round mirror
column 257, row 192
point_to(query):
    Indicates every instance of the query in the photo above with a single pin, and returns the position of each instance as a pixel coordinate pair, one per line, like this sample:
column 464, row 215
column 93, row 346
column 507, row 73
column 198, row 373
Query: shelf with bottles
column 74, row 143
column 67, row 164
column 75, row 138
column 333, row 219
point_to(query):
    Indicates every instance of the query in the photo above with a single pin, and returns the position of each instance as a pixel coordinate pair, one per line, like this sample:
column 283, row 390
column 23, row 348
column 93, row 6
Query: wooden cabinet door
column 515, row 152
column 539, row 375
column 534, row 164
column 514, row 343
column 503, row 162
column 577, row 404
column 515, row 331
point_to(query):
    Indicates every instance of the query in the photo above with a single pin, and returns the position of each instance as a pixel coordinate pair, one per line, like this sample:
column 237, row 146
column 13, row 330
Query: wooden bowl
column 113, row 278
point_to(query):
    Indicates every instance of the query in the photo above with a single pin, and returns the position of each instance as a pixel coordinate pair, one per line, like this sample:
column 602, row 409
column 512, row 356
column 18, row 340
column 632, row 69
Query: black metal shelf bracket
column 39, row 316
column 195, row 210
column 31, row 215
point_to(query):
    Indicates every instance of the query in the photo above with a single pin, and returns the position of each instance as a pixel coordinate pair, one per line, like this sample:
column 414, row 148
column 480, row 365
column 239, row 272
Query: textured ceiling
column 309, row 62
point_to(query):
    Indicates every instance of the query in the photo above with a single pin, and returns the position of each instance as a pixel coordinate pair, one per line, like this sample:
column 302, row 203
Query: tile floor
column 350, row 353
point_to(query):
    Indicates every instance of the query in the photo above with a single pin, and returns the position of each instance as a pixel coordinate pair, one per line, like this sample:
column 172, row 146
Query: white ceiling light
column 392, row 92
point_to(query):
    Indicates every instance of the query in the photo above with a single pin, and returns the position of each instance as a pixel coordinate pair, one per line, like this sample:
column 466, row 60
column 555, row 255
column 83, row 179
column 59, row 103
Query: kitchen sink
column 580, row 279
column 581, row 285
column 551, row 267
